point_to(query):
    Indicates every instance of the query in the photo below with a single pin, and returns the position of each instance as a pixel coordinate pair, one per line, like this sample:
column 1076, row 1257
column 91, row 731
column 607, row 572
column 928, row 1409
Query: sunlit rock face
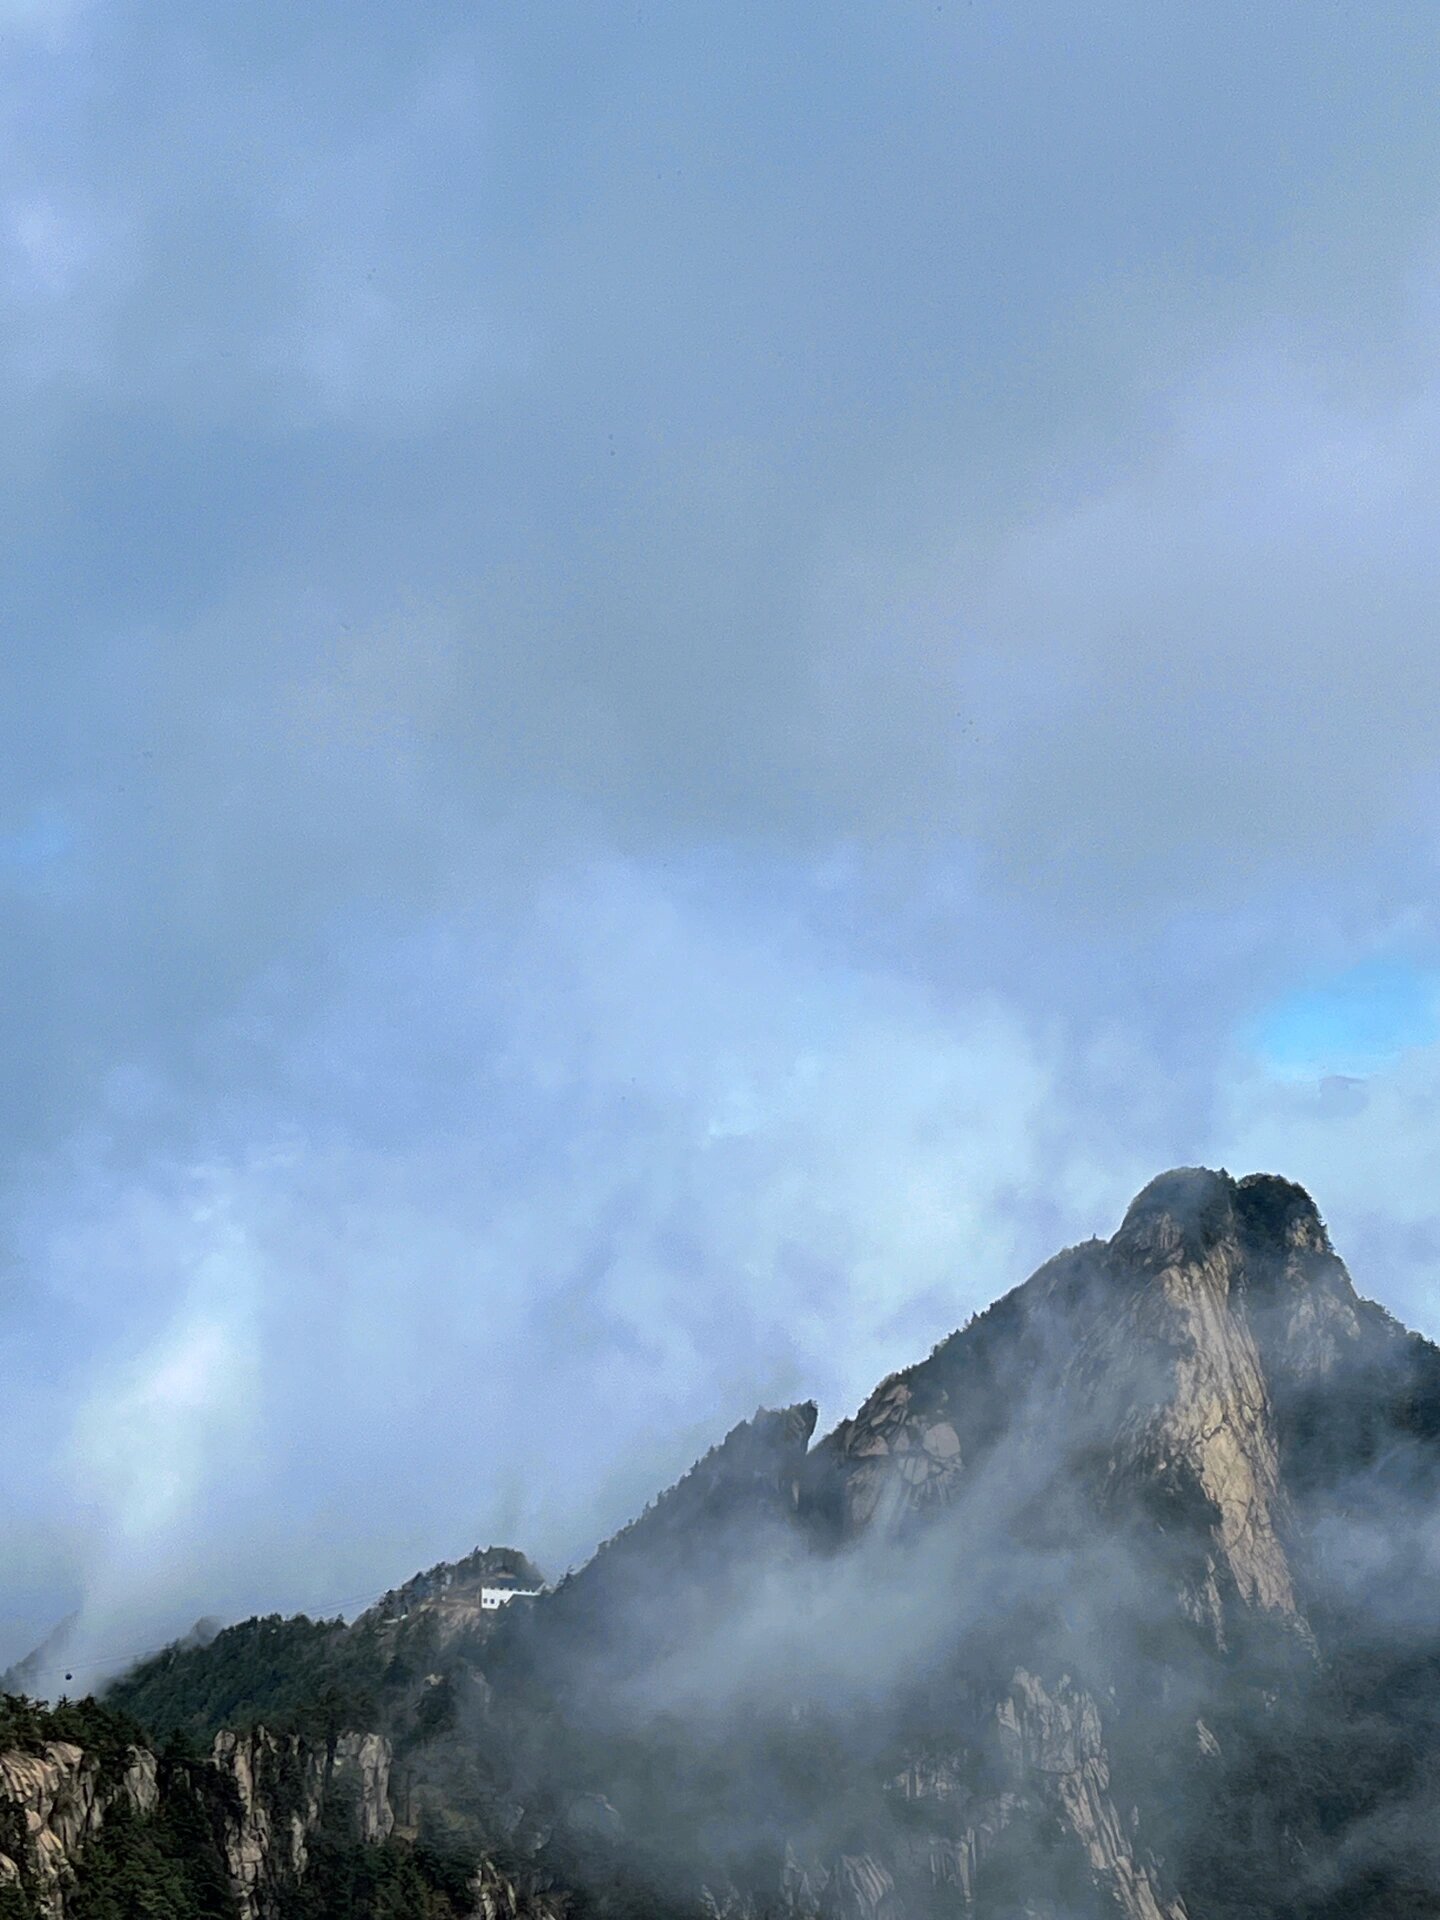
column 61, row 1796
column 1117, row 1603
column 1118, row 1363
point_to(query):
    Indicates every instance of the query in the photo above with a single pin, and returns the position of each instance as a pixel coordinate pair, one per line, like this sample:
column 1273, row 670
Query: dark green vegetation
column 318, row 1678
column 345, row 1880
column 102, row 1728
column 408, row 1670
column 16, row 1901
column 169, row 1866
column 314, row 1677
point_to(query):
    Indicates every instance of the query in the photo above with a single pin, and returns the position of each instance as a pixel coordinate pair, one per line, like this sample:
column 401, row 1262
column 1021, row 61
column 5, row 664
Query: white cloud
column 1202, row 667
column 677, row 1162
column 1368, row 1151
column 165, row 1401
column 141, row 1446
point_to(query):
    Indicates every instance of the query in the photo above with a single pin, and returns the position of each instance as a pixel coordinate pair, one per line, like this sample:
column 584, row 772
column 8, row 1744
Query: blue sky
column 1358, row 1023
column 678, row 685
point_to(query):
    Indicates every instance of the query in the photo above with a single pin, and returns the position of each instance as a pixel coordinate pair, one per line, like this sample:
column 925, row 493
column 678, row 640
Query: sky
column 677, row 686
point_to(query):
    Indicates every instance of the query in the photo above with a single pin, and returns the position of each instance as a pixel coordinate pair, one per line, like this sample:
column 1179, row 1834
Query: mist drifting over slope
column 1115, row 1602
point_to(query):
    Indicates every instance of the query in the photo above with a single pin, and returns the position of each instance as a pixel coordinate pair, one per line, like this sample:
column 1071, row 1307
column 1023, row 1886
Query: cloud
column 146, row 1434
column 1200, row 675
column 706, row 664
column 1367, row 1149
column 1181, row 716
column 599, row 1189
column 218, row 247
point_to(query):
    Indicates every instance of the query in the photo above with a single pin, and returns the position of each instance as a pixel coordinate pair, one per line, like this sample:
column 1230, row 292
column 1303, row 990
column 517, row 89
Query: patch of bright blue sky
column 1357, row 1023
column 35, row 849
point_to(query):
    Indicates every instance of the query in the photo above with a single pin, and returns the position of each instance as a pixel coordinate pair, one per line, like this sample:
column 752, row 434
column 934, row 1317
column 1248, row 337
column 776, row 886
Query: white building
column 493, row 1597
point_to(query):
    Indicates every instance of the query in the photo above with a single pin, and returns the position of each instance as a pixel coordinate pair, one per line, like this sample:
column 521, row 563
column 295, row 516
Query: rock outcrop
column 57, row 1800
column 360, row 1768
column 267, row 1793
column 1054, row 1741
column 279, row 1789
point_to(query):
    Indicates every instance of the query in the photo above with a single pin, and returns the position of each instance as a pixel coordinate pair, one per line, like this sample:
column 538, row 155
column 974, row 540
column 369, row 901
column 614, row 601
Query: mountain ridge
column 1023, row 1635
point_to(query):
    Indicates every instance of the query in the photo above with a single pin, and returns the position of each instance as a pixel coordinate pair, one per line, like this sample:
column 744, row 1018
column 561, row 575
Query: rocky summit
column 1121, row 1602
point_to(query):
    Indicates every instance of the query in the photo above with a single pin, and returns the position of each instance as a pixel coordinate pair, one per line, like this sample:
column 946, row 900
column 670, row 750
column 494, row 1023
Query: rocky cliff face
column 278, row 1789
column 1054, row 1741
column 267, row 1794
column 58, row 1800
column 1135, row 1357
column 272, row 1811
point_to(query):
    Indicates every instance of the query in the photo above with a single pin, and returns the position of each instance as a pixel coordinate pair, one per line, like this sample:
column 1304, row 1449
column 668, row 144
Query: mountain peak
column 1192, row 1196
column 1187, row 1211
column 455, row 1587
column 1279, row 1216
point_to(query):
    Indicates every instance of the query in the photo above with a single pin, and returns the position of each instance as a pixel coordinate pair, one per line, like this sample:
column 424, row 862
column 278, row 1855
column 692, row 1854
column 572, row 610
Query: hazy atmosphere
column 679, row 685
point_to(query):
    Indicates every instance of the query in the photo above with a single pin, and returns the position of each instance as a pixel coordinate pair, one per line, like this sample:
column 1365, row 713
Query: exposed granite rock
column 63, row 1796
column 279, row 1787
column 854, row 1886
column 1115, row 1364
column 1054, row 1739
column 901, row 1456
column 1182, row 1345
column 272, row 1792
column 360, row 1765
column 1129, row 1411
column 499, row 1895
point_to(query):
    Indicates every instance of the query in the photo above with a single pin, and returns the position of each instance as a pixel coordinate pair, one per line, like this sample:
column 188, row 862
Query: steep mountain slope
column 317, row 1676
column 1065, row 1614
column 1118, row 1603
